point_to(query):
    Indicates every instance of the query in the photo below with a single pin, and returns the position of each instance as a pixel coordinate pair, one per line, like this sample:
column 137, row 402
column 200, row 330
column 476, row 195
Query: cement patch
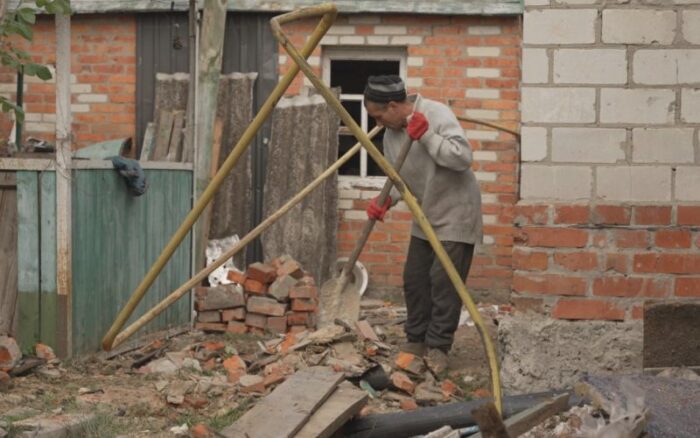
column 539, row 353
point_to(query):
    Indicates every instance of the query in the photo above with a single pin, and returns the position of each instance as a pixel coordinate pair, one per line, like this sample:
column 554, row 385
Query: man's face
column 387, row 115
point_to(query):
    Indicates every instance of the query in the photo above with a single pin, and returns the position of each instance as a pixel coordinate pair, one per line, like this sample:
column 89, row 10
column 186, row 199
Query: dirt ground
column 129, row 401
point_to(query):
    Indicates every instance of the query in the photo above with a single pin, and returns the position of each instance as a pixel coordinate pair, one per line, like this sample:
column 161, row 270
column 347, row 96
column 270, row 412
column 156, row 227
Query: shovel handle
column 369, row 225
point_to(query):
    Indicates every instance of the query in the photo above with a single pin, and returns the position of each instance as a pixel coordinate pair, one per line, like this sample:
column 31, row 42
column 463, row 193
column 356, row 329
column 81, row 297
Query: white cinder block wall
column 611, row 101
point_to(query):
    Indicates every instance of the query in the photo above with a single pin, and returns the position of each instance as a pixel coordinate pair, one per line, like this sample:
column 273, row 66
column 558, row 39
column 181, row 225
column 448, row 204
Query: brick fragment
column 237, row 276
column 255, row 320
column 292, row 268
column 220, row 297
column 251, row 383
column 303, row 305
column 237, row 327
column 588, row 309
column 448, row 388
column 403, row 382
column 410, row 362
column 277, row 324
column 281, row 287
column 366, row 331
column 408, row 404
column 261, row 272
column 255, row 287
column 265, row 306
column 273, row 379
column 297, row 328
column 45, row 352
column 237, row 314
column 298, row 318
column 210, row 326
column 209, row 316
column 235, row 363
column 301, row 290
column 201, row 431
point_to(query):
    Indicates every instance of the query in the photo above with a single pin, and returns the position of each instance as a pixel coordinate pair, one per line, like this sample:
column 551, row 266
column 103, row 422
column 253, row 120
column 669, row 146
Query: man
column 438, row 172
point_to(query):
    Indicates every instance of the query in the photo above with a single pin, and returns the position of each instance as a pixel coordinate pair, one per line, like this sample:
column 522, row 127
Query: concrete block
column 556, row 182
column 484, row 30
column 536, row 2
column 92, row 98
column 690, row 105
column 671, row 334
column 663, row 145
column 637, row 106
column 378, row 40
column 560, row 26
column 483, row 51
column 661, row 67
column 414, row 61
column 483, row 94
column 687, row 183
column 588, row 145
column 558, row 105
column 483, row 73
column 533, row 143
column 634, row 183
column 691, row 26
column 526, row 338
column 390, row 30
column 483, row 114
column 624, row 26
column 341, row 30
column 590, row 66
column 407, row 40
column 535, row 66
column 351, row 40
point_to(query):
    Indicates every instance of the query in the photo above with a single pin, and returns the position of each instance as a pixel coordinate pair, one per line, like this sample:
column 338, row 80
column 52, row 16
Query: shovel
column 340, row 296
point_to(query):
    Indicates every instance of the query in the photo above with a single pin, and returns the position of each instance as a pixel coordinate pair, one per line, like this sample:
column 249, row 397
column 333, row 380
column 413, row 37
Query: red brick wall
column 471, row 64
column 579, row 261
column 103, row 67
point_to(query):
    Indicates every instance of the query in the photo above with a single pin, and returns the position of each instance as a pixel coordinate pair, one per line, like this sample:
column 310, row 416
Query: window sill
column 348, row 182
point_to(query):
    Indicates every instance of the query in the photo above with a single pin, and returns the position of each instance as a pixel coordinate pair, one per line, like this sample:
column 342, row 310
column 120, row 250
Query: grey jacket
column 438, row 172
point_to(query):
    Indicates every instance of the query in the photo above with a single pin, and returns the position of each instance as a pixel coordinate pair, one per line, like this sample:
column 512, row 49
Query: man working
column 438, row 172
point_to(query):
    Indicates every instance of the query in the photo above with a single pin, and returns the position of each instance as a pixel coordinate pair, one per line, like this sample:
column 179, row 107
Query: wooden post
column 190, row 130
column 210, row 53
column 64, row 282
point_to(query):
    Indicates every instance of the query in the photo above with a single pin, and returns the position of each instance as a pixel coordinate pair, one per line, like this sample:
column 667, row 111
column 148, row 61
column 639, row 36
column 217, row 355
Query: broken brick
column 278, row 367
column 209, row 316
column 408, row 404
column 298, row 318
column 252, row 383
column 292, row 268
column 303, row 291
column 220, row 297
column 235, row 363
column 237, row 314
column 256, row 331
column 237, row 277
column 255, row 287
column 213, row 346
column 196, row 402
column 481, row 393
column 209, row 365
column 403, row 382
column 273, row 379
column 266, row 306
column 210, row 326
column 371, row 350
column 10, row 353
column 201, row 431
column 366, row 330
column 277, row 324
column 261, row 272
column 281, row 287
column 410, row 362
column 256, row 320
column 45, row 352
column 448, row 388
column 236, row 327
column 297, row 328
column 303, row 305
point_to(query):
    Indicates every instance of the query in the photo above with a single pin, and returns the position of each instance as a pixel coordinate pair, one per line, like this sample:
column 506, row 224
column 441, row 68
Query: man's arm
column 445, row 142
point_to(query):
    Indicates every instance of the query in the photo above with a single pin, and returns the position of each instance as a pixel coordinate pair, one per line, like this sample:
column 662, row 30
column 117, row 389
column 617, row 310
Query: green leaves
column 8, row 106
column 38, row 70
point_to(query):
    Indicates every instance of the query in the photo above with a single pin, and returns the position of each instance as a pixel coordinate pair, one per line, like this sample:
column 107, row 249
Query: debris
column 403, row 382
column 408, row 404
column 5, row 381
column 10, row 353
column 180, row 430
column 44, row 352
column 443, row 432
column 48, row 426
column 427, row 393
column 410, row 362
column 366, row 331
column 344, row 403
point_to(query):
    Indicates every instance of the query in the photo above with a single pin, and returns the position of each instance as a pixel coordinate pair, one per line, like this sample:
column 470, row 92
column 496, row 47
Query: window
column 349, row 68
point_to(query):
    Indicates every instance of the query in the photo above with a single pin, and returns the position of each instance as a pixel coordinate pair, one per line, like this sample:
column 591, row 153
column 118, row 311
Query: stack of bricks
column 267, row 298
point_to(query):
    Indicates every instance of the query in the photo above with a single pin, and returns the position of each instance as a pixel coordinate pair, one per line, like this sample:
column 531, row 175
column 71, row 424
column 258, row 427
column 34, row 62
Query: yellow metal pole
column 252, row 234
column 328, row 12
column 408, row 197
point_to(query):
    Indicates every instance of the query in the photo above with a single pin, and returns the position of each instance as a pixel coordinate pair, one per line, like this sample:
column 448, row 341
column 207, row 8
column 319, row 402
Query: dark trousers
column 432, row 303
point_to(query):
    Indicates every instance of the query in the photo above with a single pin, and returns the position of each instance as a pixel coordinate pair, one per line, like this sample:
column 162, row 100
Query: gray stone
column 52, row 426
column 281, row 286
column 539, row 353
column 427, row 393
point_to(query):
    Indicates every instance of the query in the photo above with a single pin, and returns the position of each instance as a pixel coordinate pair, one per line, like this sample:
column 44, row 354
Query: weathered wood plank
column 175, row 146
column 47, row 245
column 8, row 180
column 345, row 402
column 295, row 399
column 28, row 258
column 164, row 130
column 526, row 420
column 8, row 254
column 40, row 164
column 148, row 142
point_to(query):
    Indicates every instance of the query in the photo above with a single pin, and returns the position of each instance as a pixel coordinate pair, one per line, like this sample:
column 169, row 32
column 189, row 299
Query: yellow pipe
column 408, row 197
column 329, row 13
column 252, row 234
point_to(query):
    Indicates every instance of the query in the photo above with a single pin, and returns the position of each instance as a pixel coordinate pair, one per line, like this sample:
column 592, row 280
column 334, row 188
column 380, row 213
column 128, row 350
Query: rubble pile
column 278, row 297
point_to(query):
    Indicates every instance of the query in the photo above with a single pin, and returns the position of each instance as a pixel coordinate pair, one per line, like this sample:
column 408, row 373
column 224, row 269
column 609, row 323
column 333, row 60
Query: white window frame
column 348, row 53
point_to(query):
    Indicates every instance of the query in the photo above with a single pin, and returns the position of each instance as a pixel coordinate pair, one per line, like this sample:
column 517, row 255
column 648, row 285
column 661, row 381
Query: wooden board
column 47, row 254
column 164, row 130
column 345, row 402
column 291, row 404
column 175, row 147
column 148, row 142
column 28, row 258
column 8, row 253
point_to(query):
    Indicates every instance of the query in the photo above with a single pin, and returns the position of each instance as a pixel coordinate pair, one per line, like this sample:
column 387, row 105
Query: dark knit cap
column 384, row 89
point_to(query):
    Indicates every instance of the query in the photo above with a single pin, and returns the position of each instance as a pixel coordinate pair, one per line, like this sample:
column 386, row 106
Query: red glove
column 376, row 212
column 417, row 126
